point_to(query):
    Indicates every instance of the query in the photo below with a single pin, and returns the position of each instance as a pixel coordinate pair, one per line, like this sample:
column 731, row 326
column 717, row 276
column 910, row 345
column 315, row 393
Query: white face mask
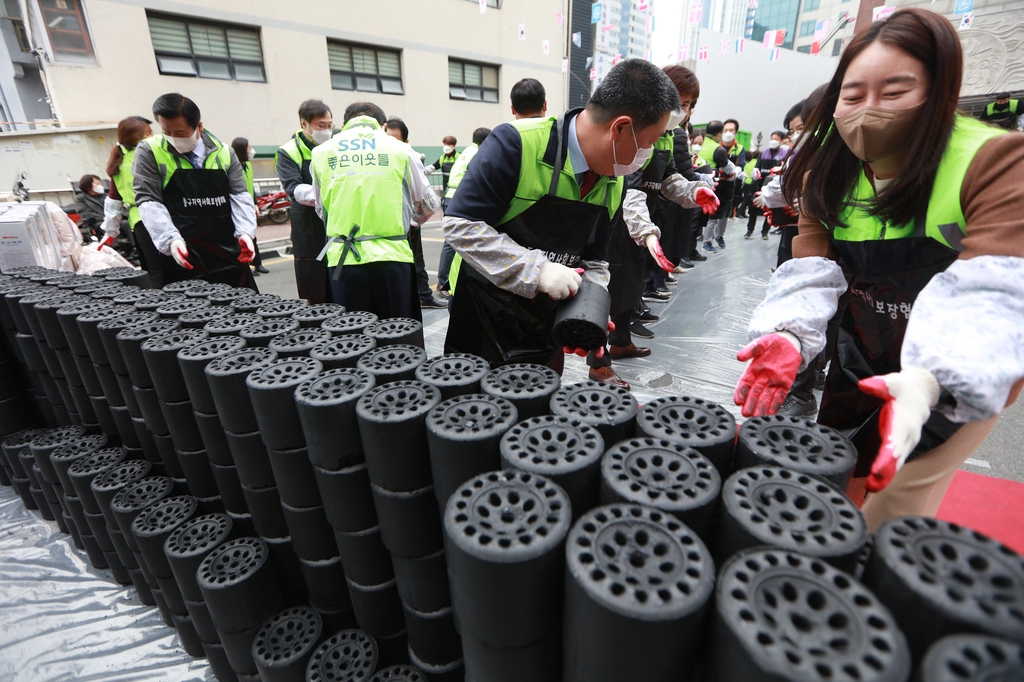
column 794, row 137
column 98, row 188
column 728, row 137
column 251, row 154
column 185, row 144
column 675, row 118
column 639, row 159
column 774, row 144
column 696, row 148
column 448, row 150
column 321, row 136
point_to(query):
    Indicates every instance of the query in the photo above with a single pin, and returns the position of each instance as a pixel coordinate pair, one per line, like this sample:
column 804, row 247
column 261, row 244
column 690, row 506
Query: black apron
column 889, row 276
column 502, row 327
column 199, row 202
column 308, row 236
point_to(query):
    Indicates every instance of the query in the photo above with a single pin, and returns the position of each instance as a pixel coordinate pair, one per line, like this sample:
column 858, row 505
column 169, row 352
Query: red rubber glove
column 179, row 252
column 248, row 252
column 582, row 352
column 654, row 248
column 766, row 383
column 707, row 200
column 106, row 241
column 909, row 396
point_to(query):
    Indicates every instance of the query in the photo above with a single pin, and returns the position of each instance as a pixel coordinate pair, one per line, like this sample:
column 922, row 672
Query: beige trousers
column 918, row 488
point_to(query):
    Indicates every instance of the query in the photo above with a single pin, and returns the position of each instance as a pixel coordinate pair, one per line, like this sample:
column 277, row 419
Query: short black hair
column 714, row 128
column 480, row 134
column 173, row 105
column 780, row 133
column 733, row 121
column 528, row 96
column 399, row 125
column 1003, row 95
column 793, row 112
column 365, row 109
column 635, row 88
column 313, row 108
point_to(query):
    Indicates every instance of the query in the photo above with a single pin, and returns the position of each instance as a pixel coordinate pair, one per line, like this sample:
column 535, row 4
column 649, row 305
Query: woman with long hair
column 130, row 132
column 245, row 154
column 922, row 207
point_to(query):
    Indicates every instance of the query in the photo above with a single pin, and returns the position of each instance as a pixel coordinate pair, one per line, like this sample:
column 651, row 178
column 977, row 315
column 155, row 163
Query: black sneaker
column 697, row 256
column 648, row 316
column 261, row 269
column 664, row 290
column 819, row 380
column 764, row 237
column 432, row 303
column 637, row 329
column 684, row 264
column 669, row 279
column 655, row 295
column 748, row 235
column 795, row 406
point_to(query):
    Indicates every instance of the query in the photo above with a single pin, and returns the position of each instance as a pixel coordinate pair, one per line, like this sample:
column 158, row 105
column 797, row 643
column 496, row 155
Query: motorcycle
column 274, row 207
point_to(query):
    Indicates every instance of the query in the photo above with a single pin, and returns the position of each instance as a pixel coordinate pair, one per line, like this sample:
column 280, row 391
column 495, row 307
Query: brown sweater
column 992, row 197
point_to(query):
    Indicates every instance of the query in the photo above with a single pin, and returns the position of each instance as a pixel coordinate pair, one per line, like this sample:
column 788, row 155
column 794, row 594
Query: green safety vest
column 218, row 158
column 535, row 179
column 295, row 149
column 459, row 169
column 247, row 174
column 749, row 169
column 123, row 181
column 991, row 108
column 361, row 174
column 944, row 221
column 448, row 161
column 707, row 151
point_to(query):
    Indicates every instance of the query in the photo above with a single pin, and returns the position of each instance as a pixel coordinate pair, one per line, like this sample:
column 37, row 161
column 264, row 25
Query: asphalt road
column 695, row 343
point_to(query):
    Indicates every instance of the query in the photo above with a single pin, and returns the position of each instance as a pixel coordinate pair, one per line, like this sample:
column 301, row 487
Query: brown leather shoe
column 607, row 375
column 630, row 351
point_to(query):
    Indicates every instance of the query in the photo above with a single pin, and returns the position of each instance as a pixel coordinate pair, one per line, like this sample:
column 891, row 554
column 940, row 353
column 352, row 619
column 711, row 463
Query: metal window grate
column 187, row 47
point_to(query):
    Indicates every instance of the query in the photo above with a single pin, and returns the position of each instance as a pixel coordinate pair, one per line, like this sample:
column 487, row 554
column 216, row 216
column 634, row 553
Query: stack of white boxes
column 27, row 237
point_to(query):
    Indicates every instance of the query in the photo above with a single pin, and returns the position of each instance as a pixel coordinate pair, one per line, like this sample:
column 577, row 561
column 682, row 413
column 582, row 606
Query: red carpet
column 992, row 506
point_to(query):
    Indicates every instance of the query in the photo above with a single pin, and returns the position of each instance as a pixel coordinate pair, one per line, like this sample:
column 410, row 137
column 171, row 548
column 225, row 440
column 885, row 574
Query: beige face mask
column 872, row 133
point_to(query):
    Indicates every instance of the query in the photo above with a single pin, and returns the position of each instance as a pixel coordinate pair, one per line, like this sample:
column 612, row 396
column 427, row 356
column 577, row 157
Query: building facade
column 624, row 32
column 445, row 67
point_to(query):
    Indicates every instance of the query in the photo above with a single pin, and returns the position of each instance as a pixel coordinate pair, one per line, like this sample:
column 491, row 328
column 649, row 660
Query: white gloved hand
column 112, row 217
column 758, row 200
column 427, row 170
column 179, row 252
column 305, row 195
column 558, row 281
column 909, row 396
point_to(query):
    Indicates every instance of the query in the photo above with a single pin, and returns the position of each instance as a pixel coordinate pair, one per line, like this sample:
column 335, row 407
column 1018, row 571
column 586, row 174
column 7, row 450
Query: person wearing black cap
column 1003, row 112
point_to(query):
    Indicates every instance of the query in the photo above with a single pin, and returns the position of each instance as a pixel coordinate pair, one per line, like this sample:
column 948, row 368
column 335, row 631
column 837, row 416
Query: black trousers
column 151, row 260
column 786, row 243
column 422, row 278
column 386, row 289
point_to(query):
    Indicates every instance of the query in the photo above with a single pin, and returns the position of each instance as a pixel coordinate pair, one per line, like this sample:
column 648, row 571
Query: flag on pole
column 702, row 54
column 773, row 56
column 739, row 45
column 596, row 12
column 559, row 18
column 577, row 39
column 724, row 47
column 774, row 38
column 590, row 60
column 607, row 27
column 522, row 32
column 821, row 29
column 593, row 74
column 816, row 47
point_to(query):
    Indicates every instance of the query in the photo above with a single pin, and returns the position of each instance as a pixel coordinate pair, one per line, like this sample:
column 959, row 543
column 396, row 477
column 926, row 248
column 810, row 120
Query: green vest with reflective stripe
column 123, row 182
column 218, row 158
column 991, row 108
column 295, row 149
column 361, row 173
column 707, row 151
column 247, row 174
column 535, row 179
column 749, row 170
column 458, row 170
column 944, row 221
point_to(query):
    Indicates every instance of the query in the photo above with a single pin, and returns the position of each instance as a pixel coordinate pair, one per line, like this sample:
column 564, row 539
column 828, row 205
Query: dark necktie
column 193, row 159
column 589, row 180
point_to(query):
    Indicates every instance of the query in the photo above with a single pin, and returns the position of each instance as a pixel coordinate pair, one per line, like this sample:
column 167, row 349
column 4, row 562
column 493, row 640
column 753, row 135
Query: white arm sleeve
column 637, row 217
column 596, row 271
column 771, row 192
column 967, row 329
column 803, row 295
column 682, row 191
column 112, row 216
column 243, row 215
column 159, row 225
column 318, row 202
column 305, row 195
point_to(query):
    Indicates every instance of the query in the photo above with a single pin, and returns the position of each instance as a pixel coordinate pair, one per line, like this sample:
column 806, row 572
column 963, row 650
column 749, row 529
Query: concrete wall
column 126, row 81
column 752, row 89
column 51, row 156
